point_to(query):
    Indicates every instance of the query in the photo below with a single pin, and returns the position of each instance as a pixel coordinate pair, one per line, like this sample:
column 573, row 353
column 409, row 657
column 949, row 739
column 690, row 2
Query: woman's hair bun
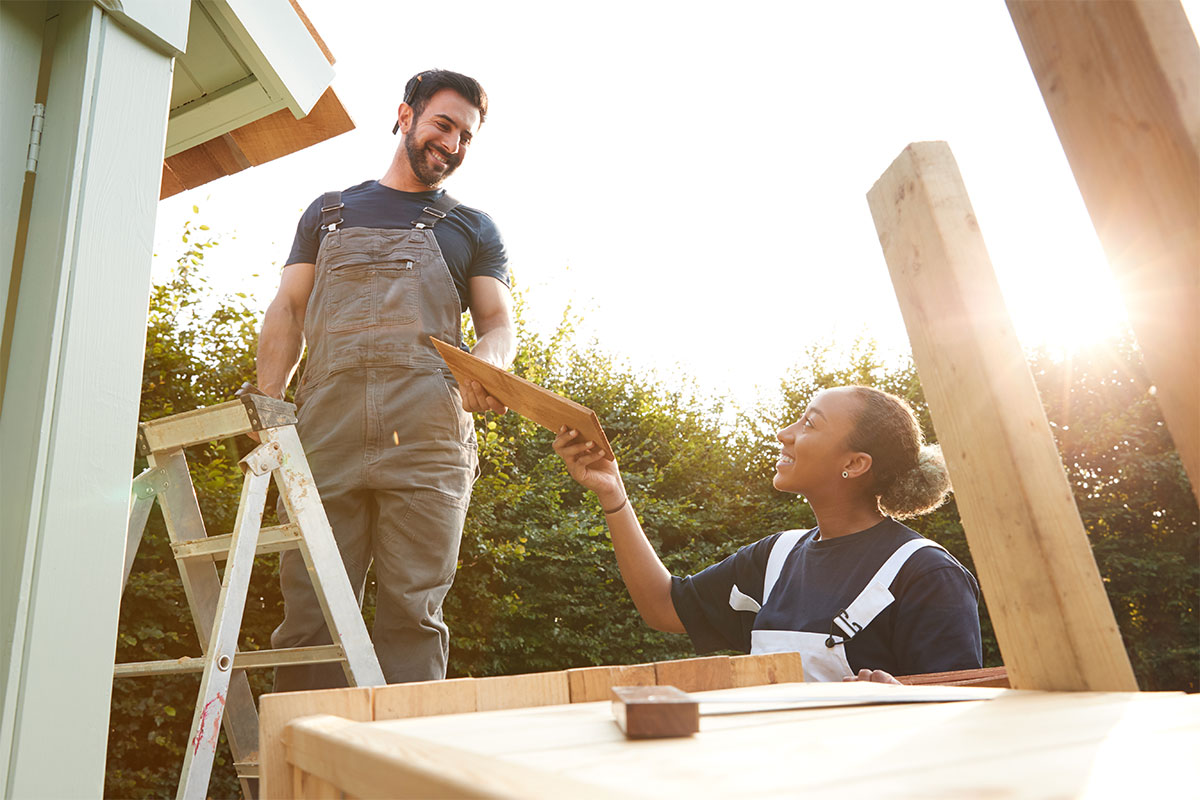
column 919, row 490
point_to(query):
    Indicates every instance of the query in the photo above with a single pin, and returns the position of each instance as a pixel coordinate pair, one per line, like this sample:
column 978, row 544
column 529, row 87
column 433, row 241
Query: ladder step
column 247, row 659
column 247, row 768
column 248, row 413
column 270, row 540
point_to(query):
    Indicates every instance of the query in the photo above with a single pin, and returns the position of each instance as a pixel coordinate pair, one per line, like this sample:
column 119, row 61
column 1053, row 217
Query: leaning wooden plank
column 756, row 670
column 531, row 401
column 374, row 761
column 277, row 710
column 520, row 691
column 1053, row 622
column 1121, row 81
column 425, row 698
column 589, row 684
column 695, row 674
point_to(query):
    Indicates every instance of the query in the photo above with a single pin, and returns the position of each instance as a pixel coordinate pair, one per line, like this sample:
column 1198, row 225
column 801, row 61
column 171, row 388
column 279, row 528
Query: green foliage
column 537, row 585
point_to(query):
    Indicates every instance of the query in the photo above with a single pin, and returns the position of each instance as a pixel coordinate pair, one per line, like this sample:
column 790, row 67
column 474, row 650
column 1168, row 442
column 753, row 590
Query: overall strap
column 331, row 211
column 876, row 597
column 438, row 211
column 779, row 553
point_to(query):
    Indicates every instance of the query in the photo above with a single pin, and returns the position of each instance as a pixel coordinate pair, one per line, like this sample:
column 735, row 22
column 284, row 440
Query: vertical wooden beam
column 1053, row 622
column 1121, row 80
column 277, row 710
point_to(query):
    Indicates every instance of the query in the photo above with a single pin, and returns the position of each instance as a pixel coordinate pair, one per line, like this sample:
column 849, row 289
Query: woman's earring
column 845, row 474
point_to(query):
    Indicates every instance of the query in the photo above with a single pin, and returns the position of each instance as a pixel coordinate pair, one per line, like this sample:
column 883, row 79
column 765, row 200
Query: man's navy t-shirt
column 933, row 625
column 469, row 239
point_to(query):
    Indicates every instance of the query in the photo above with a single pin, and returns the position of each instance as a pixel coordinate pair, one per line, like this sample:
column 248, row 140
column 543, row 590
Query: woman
column 860, row 593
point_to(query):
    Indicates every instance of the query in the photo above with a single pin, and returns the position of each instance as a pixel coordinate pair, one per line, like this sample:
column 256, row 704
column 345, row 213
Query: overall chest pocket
column 363, row 294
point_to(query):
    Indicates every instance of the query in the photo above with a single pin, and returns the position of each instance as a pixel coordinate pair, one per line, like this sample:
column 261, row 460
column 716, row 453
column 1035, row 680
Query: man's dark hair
column 424, row 85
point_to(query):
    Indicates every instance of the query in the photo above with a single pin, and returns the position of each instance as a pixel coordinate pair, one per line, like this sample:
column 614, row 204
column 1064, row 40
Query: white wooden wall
column 71, row 400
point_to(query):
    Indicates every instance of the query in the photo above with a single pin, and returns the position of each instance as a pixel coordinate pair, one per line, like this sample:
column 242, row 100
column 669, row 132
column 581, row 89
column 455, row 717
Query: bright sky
column 692, row 176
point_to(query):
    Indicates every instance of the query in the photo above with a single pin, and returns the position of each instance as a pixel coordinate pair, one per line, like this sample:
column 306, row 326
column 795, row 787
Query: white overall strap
column 779, row 553
column 876, row 597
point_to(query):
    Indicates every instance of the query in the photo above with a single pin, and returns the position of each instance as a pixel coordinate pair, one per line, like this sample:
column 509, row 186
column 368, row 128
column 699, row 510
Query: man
column 374, row 271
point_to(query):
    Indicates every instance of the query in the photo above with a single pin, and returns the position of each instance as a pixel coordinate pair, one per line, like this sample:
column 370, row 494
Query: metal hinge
column 35, row 137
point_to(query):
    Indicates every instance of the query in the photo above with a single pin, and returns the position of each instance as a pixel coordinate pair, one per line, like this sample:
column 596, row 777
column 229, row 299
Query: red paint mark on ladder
column 204, row 720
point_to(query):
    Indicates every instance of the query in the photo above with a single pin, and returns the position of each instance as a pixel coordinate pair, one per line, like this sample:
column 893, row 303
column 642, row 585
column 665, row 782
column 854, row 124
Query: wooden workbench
column 1005, row 743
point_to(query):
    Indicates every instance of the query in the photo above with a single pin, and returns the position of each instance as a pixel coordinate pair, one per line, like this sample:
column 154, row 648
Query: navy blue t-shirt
column 933, row 625
column 469, row 239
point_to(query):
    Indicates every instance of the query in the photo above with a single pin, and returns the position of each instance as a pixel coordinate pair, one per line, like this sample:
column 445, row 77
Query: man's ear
column 857, row 464
column 404, row 116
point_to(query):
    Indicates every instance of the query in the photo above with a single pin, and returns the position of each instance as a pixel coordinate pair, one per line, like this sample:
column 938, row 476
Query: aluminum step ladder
column 216, row 602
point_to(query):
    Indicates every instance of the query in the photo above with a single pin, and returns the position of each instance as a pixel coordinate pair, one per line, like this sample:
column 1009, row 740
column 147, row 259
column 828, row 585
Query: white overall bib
column 824, row 654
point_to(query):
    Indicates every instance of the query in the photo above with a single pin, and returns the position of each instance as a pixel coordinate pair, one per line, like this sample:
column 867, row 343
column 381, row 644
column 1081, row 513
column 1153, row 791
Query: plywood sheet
column 527, row 399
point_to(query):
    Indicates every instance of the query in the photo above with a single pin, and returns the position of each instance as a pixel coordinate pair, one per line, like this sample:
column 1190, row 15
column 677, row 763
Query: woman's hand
column 587, row 465
column 873, row 676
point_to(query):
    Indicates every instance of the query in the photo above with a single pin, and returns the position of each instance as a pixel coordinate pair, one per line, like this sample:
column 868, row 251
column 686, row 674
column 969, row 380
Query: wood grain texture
column 756, row 670
column 277, row 710
column 655, row 712
column 520, row 691
column 1052, row 618
column 589, row 684
column 1121, row 80
column 527, row 399
column 695, row 674
column 426, row 698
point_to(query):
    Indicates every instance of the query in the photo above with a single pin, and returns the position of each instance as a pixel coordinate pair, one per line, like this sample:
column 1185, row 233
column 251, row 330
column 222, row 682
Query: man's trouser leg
column 416, row 553
column 350, row 514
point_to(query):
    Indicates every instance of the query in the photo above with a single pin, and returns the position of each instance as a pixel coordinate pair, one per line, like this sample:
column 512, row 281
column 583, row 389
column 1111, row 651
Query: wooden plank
column 425, row 698
column 279, row 134
column 519, row 691
column 195, row 427
column 277, row 710
column 654, row 712
column 589, row 684
column 695, row 674
column 755, row 670
column 531, row 401
column 1053, row 621
column 170, row 183
column 988, row 676
column 379, row 763
column 1121, row 81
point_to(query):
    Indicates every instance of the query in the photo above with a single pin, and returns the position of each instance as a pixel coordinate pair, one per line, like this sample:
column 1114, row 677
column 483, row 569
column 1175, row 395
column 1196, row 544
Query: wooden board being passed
column 531, row 401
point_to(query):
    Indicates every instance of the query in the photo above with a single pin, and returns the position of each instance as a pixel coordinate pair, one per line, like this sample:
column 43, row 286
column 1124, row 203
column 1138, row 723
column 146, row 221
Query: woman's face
column 814, row 451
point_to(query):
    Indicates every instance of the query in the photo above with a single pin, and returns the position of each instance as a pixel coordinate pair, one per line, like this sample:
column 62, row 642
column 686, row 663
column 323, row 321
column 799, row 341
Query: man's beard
column 419, row 161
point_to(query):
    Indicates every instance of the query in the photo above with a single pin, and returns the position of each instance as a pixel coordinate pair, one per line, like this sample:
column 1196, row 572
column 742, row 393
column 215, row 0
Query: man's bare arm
column 282, row 338
column 491, row 313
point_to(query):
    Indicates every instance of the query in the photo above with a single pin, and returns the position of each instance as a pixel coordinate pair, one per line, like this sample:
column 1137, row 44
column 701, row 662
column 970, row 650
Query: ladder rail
column 218, row 669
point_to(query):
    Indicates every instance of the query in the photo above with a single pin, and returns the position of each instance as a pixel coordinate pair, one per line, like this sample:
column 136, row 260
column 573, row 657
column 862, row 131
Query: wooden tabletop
column 1003, row 743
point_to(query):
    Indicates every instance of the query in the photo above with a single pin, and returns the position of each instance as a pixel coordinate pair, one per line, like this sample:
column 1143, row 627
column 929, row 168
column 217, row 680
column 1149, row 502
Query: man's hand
column 874, row 676
column 476, row 399
column 250, row 388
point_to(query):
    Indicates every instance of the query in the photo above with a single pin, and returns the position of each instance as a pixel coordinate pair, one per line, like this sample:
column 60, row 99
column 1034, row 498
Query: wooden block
column 756, row 670
column 527, row 399
column 654, row 712
column 589, row 684
column 695, row 674
column 1053, row 622
column 520, row 691
column 277, row 710
column 988, row 676
column 427, row 698
column 1121, row 81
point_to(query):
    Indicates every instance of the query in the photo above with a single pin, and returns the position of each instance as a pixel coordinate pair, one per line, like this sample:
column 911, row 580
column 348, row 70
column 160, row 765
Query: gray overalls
column 391, row 448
